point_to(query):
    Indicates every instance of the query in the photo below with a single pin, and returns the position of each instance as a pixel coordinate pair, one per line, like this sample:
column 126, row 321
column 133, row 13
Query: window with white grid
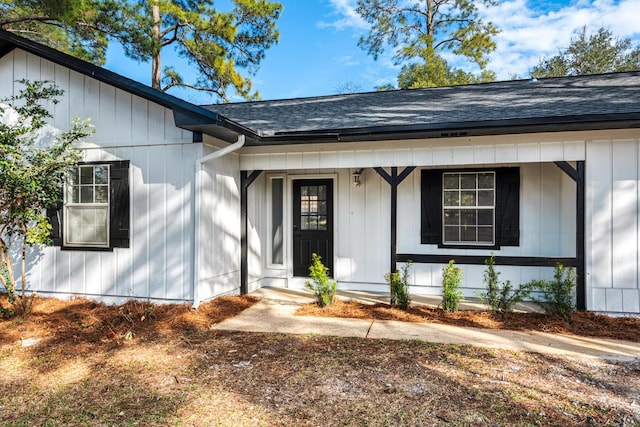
column 468, row 202
column 86, row 207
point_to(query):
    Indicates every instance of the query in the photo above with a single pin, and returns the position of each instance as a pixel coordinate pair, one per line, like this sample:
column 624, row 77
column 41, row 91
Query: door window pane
column 313, row 207
column 277, row 249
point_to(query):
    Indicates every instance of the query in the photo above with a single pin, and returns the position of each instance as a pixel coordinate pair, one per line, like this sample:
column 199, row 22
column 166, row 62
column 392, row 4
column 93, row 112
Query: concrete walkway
column 274, row 313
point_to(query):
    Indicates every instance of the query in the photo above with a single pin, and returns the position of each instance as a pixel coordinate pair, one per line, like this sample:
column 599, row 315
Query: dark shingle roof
column 523, row 102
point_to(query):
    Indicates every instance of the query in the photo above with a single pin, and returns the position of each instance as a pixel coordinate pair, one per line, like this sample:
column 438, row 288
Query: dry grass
column 582, row 323
column 147, row 365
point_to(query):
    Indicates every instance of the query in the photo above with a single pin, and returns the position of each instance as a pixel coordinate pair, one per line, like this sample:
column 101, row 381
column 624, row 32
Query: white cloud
column 528, row 35
column 346, row 61
column 528, row 32
column 346, row 16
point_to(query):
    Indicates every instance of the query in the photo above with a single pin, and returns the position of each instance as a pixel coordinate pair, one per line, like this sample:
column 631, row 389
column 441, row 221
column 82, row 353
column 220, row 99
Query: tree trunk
column 430, row 30
column 156, row 71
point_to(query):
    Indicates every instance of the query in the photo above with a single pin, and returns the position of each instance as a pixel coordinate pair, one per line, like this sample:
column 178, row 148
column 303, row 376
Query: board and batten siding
column 219, row 230
column 612, row 223
column 362, row 229
column 159, row 263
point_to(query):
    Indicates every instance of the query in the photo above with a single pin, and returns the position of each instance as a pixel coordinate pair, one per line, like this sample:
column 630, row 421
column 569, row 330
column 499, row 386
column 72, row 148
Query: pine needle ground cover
column 140, row 364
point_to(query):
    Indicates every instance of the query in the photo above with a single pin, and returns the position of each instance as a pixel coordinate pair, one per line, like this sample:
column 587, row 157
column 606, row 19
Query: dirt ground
column 82, row 363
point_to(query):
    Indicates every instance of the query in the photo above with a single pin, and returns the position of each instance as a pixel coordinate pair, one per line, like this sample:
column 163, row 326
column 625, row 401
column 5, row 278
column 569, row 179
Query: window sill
column 86, row 248
column 463, row 246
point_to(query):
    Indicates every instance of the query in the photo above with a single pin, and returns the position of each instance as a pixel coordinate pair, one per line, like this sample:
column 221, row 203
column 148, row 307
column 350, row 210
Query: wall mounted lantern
column 355, row 177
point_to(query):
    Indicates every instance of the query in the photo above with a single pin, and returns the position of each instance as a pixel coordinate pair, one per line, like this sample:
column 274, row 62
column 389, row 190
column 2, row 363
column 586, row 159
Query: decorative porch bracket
column 394, row 180
column 577, row 174
column 245, row 182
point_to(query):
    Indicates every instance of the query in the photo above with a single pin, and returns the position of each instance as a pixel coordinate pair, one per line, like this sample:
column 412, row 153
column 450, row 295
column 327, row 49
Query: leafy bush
column 323, row 289
column 10, row 287
column 558, row 295
column 399, row 286
column 500, row 297
column 451, row 294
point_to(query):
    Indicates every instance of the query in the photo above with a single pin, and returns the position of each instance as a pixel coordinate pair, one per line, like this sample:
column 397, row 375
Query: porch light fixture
column 355, row 177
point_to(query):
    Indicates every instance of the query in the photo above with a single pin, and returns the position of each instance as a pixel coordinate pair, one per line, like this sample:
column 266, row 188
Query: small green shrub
column 399, row 286
column 500, row 297
column 558, row 295
column 451, row 294
column 323, row 289
column 10, row 287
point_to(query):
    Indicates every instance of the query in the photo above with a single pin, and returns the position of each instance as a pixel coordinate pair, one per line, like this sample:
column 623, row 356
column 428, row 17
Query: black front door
column 312, row 224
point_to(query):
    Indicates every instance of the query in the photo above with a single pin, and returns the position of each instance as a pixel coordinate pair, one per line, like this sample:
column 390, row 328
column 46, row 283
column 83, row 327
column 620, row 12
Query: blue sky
column 318, row 48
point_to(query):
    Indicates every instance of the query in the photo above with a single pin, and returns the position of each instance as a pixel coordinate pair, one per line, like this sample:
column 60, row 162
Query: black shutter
column 119, row 214
column 431, row 209
column 508, row 206
column 54, row 214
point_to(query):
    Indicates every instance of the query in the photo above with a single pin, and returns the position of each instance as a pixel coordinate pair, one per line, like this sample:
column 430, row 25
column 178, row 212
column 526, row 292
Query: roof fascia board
column 451, row 130
column 6, row 48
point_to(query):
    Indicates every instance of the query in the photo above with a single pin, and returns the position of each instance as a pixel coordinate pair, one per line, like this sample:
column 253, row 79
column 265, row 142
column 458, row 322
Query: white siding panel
column 294, row 160
column 343, row 223
column 140, row 224
column 462, row 155
column 6, row 74
column 310, row 160
column 91, row 108
column 506, row 153
column 123, row 106
column 624, row 222
column 171, row 132
column 139, row 111
column 157, row 222
column 327, row 159
column 598, row 300
column 550, row 219
column 484, row 154
column 422, row 156
column 631, row 301
column 551, row 151
column 219, row 253
column 375, row 251
column 277, row 161
column 20, row 69
column 76, row 99
column 598, row 200
column 346, row 159
column 614, row 300
column 613, row 203
column 530, row 210
column 61, row 111
column 155, row 123
column 442, row 156
column 529, row 152
column 176, row 213
column 356, row 244
column 402, row 157
column 107, row 112
column 574, row 150
column 34, row 70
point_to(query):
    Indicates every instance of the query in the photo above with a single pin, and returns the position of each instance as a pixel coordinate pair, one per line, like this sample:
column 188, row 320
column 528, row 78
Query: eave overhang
column 423, row 131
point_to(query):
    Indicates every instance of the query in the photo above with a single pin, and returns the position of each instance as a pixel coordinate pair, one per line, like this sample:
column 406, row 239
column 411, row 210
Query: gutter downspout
column 196, row 226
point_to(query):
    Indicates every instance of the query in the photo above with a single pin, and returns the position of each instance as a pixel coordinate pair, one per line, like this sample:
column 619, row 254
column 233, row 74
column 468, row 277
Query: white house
column 207, row 200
